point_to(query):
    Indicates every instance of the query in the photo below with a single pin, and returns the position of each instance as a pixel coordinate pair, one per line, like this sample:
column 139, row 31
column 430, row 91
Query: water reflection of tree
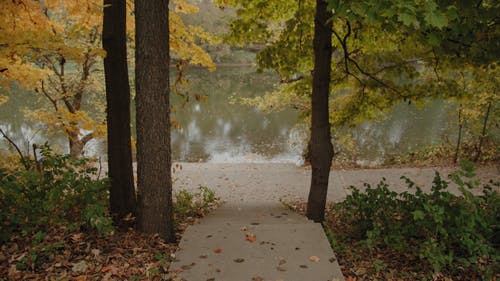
column 224, row 121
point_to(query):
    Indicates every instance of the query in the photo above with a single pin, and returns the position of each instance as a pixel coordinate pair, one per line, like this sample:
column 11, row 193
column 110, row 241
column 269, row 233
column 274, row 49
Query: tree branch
column 21, row 156
column 373, row 77
column 88, row 137
column 47, row 95
column 347, row 59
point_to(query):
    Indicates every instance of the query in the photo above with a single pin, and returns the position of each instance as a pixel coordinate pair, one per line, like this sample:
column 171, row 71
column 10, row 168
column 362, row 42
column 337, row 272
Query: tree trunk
column 75, row 146
column 321, row 144
column 483, row 133
column 459, row 137
column 154, row 180
column 122, row 192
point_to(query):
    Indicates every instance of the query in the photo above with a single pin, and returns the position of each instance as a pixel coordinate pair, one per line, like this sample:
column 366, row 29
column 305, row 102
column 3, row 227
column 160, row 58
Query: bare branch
column 436, row 64
column 395, row 65
column 44, row 91
column 21, row 156
column 373, row 77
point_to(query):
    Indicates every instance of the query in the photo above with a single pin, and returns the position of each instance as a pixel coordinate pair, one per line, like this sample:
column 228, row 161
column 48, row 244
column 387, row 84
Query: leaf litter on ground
column 87, row 255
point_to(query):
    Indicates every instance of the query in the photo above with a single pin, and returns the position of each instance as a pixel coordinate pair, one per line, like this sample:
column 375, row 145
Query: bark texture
column 122, row 192
column 321, row 145
column 153, row 122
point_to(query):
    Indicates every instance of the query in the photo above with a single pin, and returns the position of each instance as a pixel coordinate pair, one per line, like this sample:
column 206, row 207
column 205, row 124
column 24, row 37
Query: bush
column 197, row 204
column 449, row 232
column 62, row 192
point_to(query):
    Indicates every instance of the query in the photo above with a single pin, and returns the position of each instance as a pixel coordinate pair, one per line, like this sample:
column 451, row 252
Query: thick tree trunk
column 321, row 144
column 75, row 146
column 122, row 192
column 154, row 180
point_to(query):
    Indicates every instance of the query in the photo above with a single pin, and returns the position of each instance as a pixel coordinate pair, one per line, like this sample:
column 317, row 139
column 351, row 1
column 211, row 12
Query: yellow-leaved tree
column 53, row 48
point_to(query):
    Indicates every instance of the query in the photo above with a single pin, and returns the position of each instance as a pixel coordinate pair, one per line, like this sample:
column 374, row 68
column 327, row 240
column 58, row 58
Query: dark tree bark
column 321, row 144
column 122, row 192
column 459, row 137
column 483, row 133
column 154, row 179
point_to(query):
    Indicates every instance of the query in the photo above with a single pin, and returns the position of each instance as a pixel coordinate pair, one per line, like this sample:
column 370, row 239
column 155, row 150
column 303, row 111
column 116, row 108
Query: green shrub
column 448, row 232
column 197, row 204
column 62, row 192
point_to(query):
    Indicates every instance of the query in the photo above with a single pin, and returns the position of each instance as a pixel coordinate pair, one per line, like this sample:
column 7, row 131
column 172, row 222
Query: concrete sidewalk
column 255, row 241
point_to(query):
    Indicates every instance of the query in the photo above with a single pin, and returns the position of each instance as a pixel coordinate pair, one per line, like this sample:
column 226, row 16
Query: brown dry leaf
column 77, row 237
column 14, row 274
column 250, row 237
column 81, row 278
column 106, row 268
column 218, row 251
column 96, row 253
column 314, row 258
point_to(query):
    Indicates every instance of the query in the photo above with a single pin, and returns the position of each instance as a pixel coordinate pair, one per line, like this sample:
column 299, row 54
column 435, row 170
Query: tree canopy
column 54, row 48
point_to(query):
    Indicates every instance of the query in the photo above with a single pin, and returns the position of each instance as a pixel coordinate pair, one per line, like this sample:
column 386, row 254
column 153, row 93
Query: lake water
column 220, row 130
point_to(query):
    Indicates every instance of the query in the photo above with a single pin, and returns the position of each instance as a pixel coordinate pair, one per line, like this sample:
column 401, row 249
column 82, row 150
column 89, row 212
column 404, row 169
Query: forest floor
column 62, row 254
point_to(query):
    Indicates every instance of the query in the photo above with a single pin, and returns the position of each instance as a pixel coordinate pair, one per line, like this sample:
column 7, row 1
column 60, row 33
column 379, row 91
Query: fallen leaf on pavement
column 250, row 237
column 218, row 251
column 314, row 258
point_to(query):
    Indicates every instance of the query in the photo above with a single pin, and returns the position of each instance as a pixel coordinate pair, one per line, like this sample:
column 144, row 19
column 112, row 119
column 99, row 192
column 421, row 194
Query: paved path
column 255, row 241
column 287, row 246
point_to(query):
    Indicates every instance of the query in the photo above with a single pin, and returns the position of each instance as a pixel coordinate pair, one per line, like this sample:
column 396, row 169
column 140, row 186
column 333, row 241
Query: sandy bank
column 274, row 181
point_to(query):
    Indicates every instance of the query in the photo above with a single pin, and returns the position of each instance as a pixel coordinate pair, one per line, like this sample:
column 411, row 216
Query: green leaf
column 436, row 19
column 452, row 13
column 430, row 6
column 433, row 39
column 333, row 4
column 407, row 19
column 418, row 215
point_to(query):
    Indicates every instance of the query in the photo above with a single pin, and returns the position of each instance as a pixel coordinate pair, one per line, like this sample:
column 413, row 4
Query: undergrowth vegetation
column 197, row 204
column 444, row 233
column 55, row 223
column 59, row 192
